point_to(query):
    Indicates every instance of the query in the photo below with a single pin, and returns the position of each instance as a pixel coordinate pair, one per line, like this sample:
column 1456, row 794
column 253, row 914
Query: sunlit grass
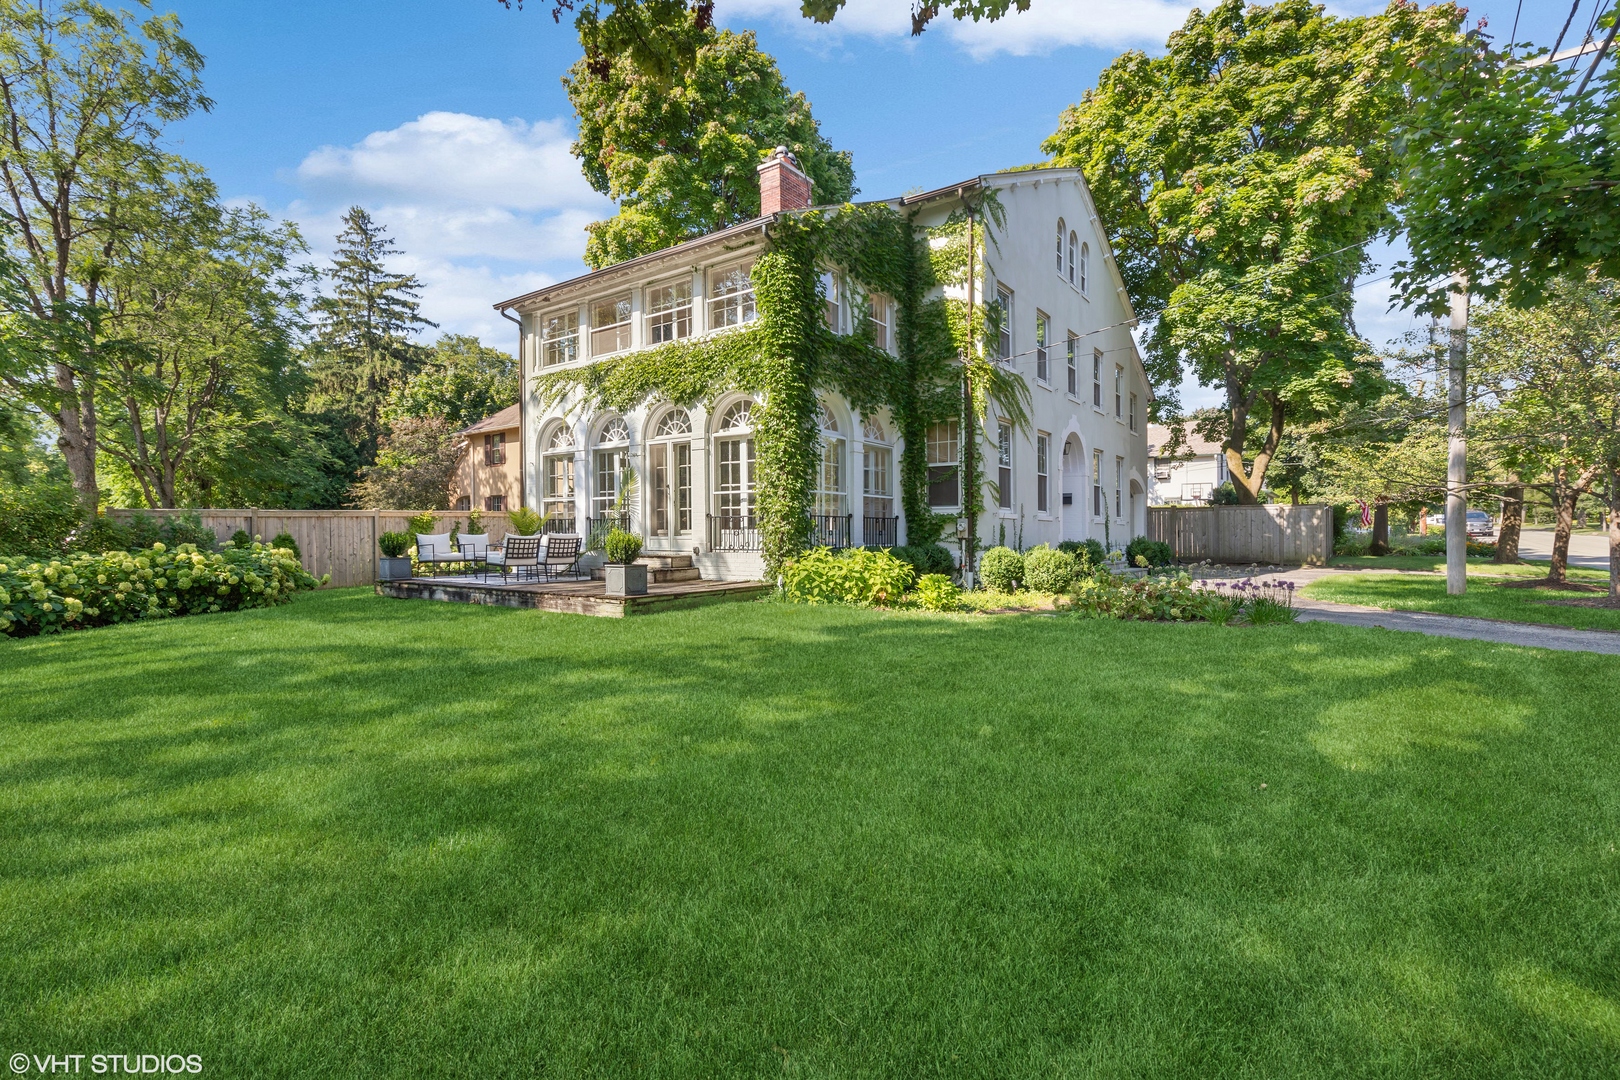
column 1484, row 599
column 1476, row 567
column 362, row 837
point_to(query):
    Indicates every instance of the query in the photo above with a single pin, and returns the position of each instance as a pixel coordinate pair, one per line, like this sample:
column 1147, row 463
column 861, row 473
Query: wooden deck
column 572, row 597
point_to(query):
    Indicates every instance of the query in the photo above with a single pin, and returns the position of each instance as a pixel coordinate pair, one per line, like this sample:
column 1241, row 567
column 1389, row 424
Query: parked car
column 1479, row 523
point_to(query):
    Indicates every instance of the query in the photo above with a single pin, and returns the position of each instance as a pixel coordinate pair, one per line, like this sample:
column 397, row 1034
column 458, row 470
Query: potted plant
column 625, row 577
column 394, row 565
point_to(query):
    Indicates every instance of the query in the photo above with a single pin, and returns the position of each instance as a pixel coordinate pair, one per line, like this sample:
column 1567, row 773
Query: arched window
column 830, row 524
column 612, row 458
column 1073, row 238
column 872, row 429
column 669, row 472
column 827, row 420
column 877, row 488
column 1060, row 247
column 615, row 431
column 1085, row 266
column 740, row 417
column 557, row 480
column 675, row 422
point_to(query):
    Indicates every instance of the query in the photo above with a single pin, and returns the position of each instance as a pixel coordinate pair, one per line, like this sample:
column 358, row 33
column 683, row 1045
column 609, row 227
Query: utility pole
column 1457, row 442
column 968, row 437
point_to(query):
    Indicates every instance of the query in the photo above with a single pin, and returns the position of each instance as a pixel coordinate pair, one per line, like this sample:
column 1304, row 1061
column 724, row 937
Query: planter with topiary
column 395, row 564
column 625, row 577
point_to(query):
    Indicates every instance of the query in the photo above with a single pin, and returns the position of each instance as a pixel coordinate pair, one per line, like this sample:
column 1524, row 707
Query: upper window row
column 667, row 315
column 1073, row 258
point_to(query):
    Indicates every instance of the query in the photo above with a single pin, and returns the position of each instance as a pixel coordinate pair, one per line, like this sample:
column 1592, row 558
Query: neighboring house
column 1188, row 476
column 489, row 476
column 1068, row 336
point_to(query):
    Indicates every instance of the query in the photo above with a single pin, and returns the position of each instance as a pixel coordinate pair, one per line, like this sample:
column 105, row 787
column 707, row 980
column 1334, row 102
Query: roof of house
column 1159, row 434
column 501, row 421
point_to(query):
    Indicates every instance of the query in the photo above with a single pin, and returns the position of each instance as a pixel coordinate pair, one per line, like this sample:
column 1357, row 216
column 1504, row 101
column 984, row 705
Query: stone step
column 657, row 575
column 666, row 562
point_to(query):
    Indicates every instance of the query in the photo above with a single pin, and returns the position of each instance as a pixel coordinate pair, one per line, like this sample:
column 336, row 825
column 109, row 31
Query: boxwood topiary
column 394, row 545
column 1155, row 552
column 621, row 547
column 241, row 540
column 925, row 558
column 1088, row 554
column 1048, row 571
column 1001, row 569
column 285, row 540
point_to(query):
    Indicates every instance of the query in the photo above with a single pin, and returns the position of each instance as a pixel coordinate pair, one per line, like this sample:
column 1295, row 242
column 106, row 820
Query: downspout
column 523, row 420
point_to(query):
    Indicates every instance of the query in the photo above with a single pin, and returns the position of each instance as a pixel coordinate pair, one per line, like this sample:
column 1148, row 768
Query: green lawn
column 1485, row 599
column 363, row 837
column 1476, row 567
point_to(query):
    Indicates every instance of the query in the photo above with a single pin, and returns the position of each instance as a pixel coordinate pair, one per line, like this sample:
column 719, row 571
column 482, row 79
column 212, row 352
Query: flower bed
column 40, row 596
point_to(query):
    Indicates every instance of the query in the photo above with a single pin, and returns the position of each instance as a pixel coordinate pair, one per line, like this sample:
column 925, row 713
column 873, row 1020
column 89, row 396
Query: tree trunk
column 1380, row 529
column 1564, row 505
column 1614, row 534
column 1507, row 536
column 1248, row 482
column 76, row 436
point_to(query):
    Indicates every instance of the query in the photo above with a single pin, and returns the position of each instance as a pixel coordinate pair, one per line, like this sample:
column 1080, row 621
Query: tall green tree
column 1240, row 176
column 86, row 91
column 681, row 158
column 365, row 321
column 461, row 380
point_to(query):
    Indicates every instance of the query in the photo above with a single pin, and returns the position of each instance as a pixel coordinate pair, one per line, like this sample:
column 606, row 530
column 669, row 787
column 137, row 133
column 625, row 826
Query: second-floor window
column 1074, row 365
column 1004, row 298
column 1096, row 378
column 731, row 298
column 495, row 448
column 1119, row 392
column 1043, row 370
column 559, row 339
column 1133, row 412
column 610, row 325
column 944, row 444
column 879, row 315
column 669, row 313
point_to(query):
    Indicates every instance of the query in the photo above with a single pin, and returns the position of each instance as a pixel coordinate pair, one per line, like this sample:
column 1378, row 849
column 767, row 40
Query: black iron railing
column 830, row 530
column 733, row 532
column 880, row 531
column 602, row 525
column 558, row 524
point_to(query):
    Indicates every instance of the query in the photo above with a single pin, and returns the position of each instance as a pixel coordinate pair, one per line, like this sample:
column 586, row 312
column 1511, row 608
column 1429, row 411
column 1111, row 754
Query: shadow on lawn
column 898, row 843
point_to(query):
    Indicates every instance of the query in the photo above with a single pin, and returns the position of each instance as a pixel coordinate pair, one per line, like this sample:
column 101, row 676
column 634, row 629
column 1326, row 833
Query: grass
column 355, row 836
column 1484, row 599
column 1476, row 567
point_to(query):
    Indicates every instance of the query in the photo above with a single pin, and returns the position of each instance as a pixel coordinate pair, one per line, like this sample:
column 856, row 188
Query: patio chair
column 473, row 550
column 435, row 550
column 563, row 553
column 515, row 555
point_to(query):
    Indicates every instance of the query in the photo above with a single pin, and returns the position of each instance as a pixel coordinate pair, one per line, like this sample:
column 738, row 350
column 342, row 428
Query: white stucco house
column 1189, row 475
column 1080, row 471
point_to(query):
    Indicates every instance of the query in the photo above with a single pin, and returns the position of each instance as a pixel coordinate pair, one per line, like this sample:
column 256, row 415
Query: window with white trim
column 1119, row 483
column 559, row 339
column 1133, row 412
column 669, row 312
column 731, row 298
column 1085, row 268
column 1043, row 371
column 876, row 489
column 1043, row 443
column 944, row 446
column 1004, row 464
column 1096, row 485
column 1119, row 391
column 1074, row 363
column 880, row 313
column 1096, row 378
column 1060, row 230
column 610, row 325
column 1073, row 239
column 557, row 494
column 1004, row 298
column 612, row 456
column 669, row 468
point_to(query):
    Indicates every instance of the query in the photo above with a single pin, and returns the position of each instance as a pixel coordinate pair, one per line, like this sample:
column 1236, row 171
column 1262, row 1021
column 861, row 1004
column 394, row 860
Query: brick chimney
column 782, row 184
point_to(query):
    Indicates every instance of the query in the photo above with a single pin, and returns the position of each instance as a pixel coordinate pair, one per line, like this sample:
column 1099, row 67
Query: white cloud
column 1046, row 26
column 481, row 209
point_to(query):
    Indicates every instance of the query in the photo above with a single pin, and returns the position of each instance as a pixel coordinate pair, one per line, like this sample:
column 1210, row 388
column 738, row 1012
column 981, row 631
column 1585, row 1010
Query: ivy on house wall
column 789, row 353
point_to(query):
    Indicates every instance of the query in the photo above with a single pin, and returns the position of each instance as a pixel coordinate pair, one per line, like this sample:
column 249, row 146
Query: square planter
column 626, row 580
column 394, row 569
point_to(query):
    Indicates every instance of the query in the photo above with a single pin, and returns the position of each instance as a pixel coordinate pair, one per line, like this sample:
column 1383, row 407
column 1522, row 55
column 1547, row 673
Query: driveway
column 1588, row 550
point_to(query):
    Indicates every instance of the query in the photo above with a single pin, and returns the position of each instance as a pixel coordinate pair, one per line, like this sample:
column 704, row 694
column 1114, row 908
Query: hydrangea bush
column 40, row 596
column 852, row 576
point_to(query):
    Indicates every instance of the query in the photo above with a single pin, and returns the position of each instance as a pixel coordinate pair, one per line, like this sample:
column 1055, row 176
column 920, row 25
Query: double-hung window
column 1096, row 484
column 1004, row 299
column 1004, row 454
column 1096, row 378
column 1043, row 370
column 731, row 298
column 1119, row 392
column 1043, row 443
column 944, row 446
column 1060, row 229
column 1085, row 261
column 1074, row 365
column 610, row 325
column 878, row 305
column 559, row 339
column 669, row 313
column 1133, row 412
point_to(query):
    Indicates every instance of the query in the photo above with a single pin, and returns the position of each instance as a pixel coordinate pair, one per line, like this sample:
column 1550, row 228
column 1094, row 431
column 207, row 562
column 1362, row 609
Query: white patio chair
column 434, row 550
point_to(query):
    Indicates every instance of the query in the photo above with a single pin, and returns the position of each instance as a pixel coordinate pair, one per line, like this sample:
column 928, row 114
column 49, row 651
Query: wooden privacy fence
column 1288, row 535
column 342, row 543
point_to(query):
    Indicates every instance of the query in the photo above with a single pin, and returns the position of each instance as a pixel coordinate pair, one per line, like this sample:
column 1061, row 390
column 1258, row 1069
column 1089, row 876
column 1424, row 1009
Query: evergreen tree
column 364, row 324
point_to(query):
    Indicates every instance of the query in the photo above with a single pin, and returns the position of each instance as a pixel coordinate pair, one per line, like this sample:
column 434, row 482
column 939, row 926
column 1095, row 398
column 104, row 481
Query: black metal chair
column 562, row 557
column 519, row 553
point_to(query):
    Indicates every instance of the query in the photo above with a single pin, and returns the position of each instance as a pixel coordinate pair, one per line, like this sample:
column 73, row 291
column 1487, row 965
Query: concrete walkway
column 1530, row 635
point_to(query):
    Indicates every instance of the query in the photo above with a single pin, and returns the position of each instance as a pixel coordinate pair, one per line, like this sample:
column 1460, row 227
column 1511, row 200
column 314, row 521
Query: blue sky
column 446, row 118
